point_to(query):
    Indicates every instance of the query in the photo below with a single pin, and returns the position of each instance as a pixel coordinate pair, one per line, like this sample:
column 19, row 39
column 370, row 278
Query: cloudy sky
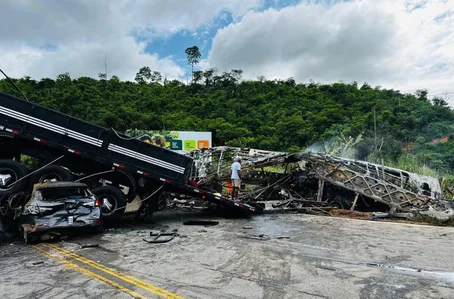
column 401, row 44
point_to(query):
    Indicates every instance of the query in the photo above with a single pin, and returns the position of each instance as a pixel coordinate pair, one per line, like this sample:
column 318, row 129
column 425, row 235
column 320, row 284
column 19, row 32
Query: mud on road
column 298, row 256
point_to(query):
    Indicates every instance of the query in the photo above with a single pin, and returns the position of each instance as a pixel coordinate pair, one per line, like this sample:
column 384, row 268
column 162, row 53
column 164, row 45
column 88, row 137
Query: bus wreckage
column 299, row 181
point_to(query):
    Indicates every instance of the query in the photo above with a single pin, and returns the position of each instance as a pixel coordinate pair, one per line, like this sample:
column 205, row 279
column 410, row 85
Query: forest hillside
column 346, row 119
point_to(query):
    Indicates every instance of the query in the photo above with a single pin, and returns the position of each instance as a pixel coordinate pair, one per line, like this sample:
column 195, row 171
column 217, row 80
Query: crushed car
column 58, row 209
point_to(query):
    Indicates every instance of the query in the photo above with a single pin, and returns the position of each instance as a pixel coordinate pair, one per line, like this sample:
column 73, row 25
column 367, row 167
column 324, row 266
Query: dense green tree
column 143, row 75
column 146, row 75
column 439, row 102
column 198, row 75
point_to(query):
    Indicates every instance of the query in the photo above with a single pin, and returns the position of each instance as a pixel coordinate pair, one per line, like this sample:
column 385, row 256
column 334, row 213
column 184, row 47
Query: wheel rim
column 50, row 177
column 7, row 176
column 336, row 204
column 109, row 204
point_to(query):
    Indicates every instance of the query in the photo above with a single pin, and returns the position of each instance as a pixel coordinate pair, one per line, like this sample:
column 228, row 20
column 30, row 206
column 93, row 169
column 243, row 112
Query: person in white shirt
column 236, row 178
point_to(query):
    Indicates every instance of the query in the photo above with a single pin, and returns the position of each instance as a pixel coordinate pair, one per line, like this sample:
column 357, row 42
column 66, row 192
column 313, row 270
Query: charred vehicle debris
column 306, row 180
column 118, row 170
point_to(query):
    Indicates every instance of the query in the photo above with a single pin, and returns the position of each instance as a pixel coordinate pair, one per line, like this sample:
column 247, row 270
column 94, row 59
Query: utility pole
column 105, row 67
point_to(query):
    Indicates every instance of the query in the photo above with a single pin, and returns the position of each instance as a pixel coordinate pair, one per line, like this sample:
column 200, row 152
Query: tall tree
column 193, row 55
column 143, row 75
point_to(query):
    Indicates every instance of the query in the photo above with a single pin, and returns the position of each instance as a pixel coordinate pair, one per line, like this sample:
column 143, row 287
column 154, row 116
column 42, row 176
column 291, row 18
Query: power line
column 12, row 82
column 441, row 94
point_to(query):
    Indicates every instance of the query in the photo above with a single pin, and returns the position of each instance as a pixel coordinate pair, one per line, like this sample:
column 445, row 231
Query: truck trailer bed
column 34, row 127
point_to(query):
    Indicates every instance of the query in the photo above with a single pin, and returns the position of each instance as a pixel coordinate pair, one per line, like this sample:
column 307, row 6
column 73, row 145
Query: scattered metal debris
column 380, row 215
column 201, row 222
column 89, row 245
column 161, row 237
column 261, row 237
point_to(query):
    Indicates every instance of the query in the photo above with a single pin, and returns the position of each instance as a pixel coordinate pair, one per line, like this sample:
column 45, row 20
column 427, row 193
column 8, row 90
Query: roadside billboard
column 180, row 141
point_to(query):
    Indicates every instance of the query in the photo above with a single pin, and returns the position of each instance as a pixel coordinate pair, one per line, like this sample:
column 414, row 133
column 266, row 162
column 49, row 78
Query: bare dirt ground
column 304, row 257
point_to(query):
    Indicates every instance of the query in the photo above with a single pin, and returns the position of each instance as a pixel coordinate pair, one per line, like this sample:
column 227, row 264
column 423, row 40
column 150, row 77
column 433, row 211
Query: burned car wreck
column 58, row 209
column 315, row 180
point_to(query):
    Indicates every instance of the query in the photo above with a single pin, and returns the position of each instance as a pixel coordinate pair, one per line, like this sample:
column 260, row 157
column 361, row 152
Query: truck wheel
column 113, row 202
column 340, row 202
column 11, row 171
column 52, row 173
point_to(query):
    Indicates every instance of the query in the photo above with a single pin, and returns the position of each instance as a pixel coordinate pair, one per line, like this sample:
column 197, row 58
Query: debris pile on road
column 295, row 181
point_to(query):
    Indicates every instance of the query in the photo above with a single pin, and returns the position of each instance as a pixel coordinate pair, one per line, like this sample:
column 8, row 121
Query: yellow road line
column 123, row 276
column 90, row 273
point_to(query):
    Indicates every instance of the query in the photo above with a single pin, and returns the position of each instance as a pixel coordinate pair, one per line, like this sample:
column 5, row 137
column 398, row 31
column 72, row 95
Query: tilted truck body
column 84, row 148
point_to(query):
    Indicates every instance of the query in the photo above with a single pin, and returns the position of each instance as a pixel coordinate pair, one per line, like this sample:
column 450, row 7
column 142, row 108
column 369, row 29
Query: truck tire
column 113, row 202
column 340, row 202
column 52, row 172
column 11, row 171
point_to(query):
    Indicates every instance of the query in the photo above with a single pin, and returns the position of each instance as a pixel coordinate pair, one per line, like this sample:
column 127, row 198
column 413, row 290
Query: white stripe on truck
column 145, row 158
column 88, row 139
column 50, row 126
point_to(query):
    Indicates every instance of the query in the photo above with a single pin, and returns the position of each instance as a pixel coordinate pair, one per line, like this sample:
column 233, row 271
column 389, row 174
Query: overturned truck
column 299, row 181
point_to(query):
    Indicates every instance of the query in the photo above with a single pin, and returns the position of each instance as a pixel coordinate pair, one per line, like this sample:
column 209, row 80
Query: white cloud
column 43, row 38
column 165, row 17
column 404, row 45
column 124, row 58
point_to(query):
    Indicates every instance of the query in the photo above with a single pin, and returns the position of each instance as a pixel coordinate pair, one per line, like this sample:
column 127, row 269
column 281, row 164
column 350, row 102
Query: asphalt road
column 319, row 257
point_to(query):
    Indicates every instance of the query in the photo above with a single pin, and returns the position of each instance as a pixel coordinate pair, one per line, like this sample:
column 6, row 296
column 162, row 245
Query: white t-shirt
column 235, row 168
